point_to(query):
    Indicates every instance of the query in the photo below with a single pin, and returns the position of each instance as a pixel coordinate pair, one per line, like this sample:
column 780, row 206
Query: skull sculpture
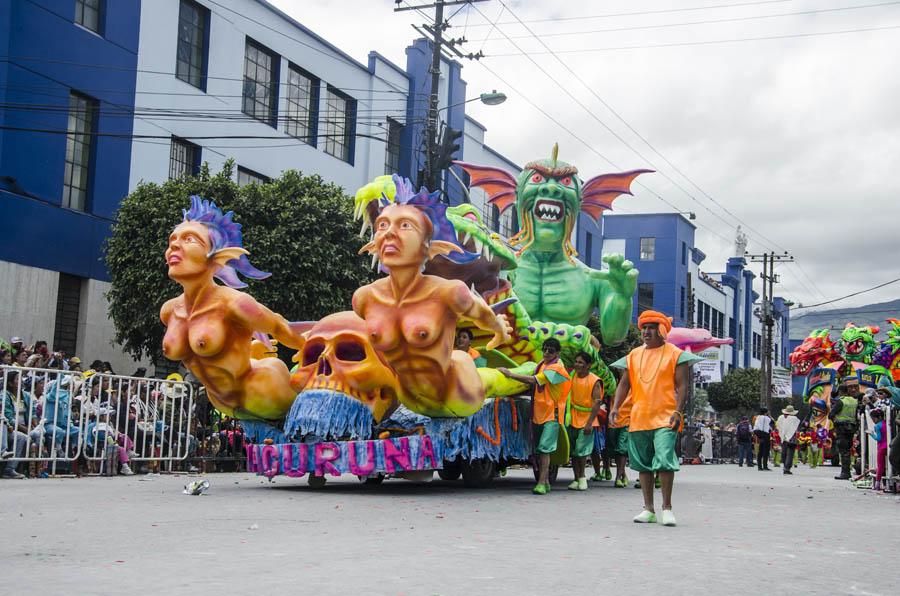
column 337, row 356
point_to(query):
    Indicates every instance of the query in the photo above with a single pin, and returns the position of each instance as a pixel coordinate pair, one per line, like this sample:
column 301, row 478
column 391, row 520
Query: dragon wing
column 599, row 192
column 499, row 184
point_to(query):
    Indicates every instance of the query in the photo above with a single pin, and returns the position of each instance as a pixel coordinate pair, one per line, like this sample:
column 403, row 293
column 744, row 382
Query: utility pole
column 767, row 317
column 429, row 176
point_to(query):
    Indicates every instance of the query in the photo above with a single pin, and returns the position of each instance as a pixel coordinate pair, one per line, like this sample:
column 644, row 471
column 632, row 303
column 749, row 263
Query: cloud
column 799, row 138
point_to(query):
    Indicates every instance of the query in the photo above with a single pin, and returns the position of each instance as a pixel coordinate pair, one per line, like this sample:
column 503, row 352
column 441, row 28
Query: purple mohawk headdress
column 430, row 204
column 224, row 232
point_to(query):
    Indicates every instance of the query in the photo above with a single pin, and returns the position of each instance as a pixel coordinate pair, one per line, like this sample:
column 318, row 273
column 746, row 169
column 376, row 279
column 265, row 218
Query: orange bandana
column 651, row 316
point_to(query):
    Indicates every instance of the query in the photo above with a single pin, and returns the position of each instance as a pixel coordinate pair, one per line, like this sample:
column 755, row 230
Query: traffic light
column 449, row 145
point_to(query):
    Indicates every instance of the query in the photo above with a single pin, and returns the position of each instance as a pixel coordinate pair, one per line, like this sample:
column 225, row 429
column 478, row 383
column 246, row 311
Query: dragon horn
column 554, row 155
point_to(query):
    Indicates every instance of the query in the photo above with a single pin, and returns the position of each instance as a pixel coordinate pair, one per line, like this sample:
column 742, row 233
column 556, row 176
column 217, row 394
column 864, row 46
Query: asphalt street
column 740, row 532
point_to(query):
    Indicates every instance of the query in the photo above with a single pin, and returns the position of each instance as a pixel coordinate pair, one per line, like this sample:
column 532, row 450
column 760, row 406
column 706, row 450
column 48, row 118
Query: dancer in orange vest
column 585, row 405
column 657, row 375
column 551, row 383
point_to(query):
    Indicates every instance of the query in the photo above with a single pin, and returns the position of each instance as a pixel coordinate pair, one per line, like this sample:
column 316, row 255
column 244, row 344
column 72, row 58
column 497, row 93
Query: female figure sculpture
column 210, row 326
column 411, row 317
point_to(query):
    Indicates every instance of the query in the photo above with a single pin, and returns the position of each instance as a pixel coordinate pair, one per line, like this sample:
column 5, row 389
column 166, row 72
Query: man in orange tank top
column 657, row 375
column 585, row 405
column 551, row 382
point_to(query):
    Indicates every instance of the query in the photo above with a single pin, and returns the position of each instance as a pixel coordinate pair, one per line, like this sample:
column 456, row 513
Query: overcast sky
column 798, row 138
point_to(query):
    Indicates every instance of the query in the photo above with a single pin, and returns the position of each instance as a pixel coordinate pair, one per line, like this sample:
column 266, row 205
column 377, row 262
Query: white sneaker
column 645, row 517
column 668, row 518
column 125, row 470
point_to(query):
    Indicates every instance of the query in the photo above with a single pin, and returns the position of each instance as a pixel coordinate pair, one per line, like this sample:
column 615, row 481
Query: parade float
column 380, row 390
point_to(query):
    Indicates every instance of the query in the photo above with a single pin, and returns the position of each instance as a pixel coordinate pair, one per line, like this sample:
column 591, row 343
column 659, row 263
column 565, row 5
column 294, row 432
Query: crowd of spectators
column 69, row 421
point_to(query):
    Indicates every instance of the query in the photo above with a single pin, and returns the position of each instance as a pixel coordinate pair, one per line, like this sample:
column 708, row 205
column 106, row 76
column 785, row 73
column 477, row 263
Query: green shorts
column 653, row 450
column 545, row 436
column 581, row 444
column 617, row 440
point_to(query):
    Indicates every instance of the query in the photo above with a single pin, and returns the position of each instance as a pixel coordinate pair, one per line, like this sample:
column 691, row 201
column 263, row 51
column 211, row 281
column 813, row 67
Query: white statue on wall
column 740, row 242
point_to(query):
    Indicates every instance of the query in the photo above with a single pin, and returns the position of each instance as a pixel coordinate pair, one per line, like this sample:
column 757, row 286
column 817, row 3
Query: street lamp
column 439, row 151
column 691, row 215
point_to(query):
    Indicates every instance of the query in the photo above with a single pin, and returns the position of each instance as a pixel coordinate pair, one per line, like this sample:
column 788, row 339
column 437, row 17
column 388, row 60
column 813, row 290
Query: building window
column 190, row 65
column 79, row 149
column 339, row 122
column 681, row 304
column 302, row 110
column 731, row 329
column 757, row 343
column 184, row 159
column 740, row 340
column 720, row 324
column 87, row 14
column 707, row 318
column 648, row 249
column 715, row 330
column 645, row 297
column 588, row 248
column 68, row 305
column 684, row 253
column 392, row 150
column 508, row 224
column 245, row 177
column 260, row 83
column 699, row 321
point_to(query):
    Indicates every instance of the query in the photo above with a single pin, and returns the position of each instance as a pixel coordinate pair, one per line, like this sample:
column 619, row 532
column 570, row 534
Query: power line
column 708, row 42
column 643, row 12
column 691, row 23
column 597, row 118
column 887, row 283
column 637, row 134
column 12, row 58
column 590, row 147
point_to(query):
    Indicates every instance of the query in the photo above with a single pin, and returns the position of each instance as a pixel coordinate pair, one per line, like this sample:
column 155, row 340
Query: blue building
column 67, row 84
column 100, row 96
column 673, row 280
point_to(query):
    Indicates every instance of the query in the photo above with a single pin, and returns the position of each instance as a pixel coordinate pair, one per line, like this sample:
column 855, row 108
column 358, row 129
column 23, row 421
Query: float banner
column 361, row 458
column 869, row 378
column 819, row 377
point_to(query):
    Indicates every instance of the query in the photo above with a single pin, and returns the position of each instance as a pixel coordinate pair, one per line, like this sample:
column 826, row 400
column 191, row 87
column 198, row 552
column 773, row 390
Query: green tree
column 738, row 391
column 296, row 227
column 612, row 353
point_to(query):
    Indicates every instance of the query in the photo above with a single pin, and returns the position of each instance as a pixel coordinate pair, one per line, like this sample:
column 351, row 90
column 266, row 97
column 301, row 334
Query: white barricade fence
column 140, row 419
column 868, row 447
column 49, row 415
column 40, row 416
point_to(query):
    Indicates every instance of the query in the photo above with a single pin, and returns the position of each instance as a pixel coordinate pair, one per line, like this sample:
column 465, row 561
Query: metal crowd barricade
column 868, row 448
column 40, row 414
column 148, row 418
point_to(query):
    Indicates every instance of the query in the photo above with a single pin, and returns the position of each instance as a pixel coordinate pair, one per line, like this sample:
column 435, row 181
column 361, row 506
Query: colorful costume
column 553, row 386
column 580, row 404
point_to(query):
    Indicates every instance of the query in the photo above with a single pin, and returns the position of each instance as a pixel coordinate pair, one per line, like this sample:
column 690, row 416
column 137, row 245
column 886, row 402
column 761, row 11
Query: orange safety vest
column 549, row 399
column 582, row 400
column 652, row 376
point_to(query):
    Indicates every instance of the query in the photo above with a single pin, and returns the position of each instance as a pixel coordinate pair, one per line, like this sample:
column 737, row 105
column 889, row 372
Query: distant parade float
column 382, row 390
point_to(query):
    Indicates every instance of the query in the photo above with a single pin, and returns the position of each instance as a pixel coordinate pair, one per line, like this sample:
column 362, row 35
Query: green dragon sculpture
column 550, row 283
column 857, row 344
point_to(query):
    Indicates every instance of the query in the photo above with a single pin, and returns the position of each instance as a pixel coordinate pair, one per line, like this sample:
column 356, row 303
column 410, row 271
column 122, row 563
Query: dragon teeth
column 466, row 238
column 478, row 245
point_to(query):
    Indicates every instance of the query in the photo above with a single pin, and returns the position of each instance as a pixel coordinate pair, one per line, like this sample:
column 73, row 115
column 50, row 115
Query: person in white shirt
column 787, row 425
column 762, row 426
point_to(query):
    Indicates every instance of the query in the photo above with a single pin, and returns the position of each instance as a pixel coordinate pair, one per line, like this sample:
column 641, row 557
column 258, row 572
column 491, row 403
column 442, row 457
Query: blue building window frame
column 260, row 94
column 89, row 15
column 184, row 158
column 301, row 115
column 645, row 297
column 80, row 151
column 340, row 125
column 588, row 248
column 192, row 46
